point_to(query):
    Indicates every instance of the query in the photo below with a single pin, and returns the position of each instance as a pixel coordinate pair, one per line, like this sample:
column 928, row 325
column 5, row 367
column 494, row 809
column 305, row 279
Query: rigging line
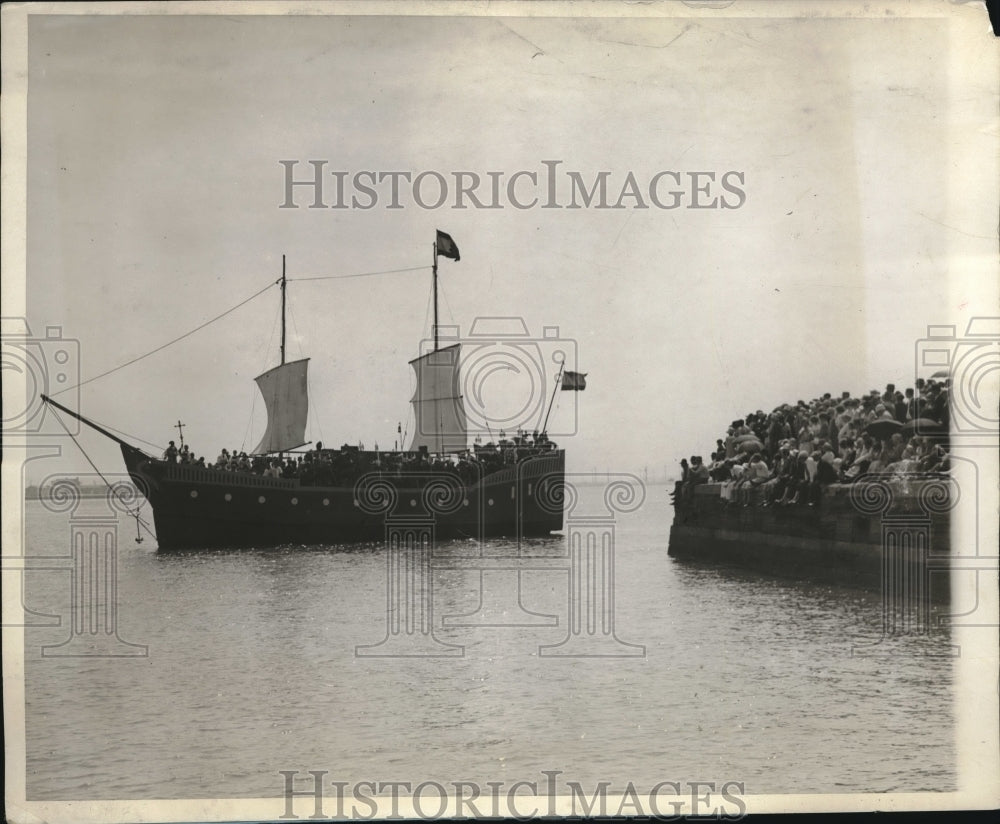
column 267, row 347
column 253, row 402
column 169, row 343
column 313, row 409
column 129, row 435
column 360, row 274
column 414, row 379
column 295, row 328
column 309, row 392
column 260, row 352
column 134, row 514
column 263, row 368
column 447, row 305
column 427, row 310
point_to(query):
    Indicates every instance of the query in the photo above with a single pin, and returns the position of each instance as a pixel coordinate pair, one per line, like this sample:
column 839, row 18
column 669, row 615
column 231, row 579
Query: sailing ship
column 510, row 488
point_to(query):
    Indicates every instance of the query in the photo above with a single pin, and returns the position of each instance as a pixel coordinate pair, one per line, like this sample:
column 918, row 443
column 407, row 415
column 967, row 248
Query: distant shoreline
column 35, row 493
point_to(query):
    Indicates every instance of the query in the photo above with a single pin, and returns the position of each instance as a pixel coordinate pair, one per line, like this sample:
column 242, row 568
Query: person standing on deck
column 170, row 454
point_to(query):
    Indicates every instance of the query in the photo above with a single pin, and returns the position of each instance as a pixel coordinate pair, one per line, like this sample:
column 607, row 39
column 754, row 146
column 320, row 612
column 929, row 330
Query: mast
column 284, row 288
column 284, row 284
column 445, row 245
column 435, row 269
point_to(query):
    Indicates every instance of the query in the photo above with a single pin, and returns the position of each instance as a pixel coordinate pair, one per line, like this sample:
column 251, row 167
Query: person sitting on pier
column 826, row 474
column 757, row 473
column 699, row 472
column 818, row 429
column 936, row 461
column 730, row 442
column 848, row 455
column 865, row 454
column 828, row 430
column 937, row 405
column 905, row 465
column 697, row 475
column 736, row 467
column 805, row 437
column 783, row 478
column 914, row 404
column 877, row 463
column 849, row 430
column 720, row 469
column 893, row 450
column 777, row 429
column 812, row 464
column 678, row 489
column 900, row 406
column 798, row 483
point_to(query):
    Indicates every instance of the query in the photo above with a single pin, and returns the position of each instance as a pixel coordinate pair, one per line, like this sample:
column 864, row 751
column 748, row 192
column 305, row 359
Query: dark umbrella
column 921, row 426
column 941, row 373
column 748, row 437
column 750, row 446
column 883, row 428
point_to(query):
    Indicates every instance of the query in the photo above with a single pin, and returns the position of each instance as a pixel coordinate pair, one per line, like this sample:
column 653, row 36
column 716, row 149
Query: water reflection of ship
column 506, row 488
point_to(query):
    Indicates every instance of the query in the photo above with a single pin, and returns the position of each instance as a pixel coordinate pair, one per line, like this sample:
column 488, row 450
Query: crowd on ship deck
column 790, row 455
column 342, row 467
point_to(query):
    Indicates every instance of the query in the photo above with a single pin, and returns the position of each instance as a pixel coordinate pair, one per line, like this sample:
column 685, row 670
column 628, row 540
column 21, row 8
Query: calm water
column 251, row 669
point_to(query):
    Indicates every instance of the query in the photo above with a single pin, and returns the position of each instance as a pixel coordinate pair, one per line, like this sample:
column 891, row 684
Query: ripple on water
column 252, row 669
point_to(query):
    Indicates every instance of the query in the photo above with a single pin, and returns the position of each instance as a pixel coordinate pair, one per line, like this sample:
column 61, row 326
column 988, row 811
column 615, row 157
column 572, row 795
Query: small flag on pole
column 446, row 247
column 574, row 381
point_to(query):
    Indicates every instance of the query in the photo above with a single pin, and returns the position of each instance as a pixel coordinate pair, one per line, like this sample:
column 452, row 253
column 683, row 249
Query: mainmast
column 440, row 423
column 284, row 284
column 435, row 269
column 445, row 245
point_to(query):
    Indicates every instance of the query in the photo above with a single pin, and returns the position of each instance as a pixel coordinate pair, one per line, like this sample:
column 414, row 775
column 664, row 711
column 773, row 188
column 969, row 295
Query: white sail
column 287, row 399
column 437, row 403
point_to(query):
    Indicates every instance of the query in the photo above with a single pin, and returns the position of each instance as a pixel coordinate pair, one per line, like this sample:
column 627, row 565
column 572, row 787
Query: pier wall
column 840, row 540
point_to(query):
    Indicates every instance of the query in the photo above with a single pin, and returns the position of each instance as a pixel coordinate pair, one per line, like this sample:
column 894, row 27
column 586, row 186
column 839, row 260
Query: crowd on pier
column 789, row 455
column 342, row 467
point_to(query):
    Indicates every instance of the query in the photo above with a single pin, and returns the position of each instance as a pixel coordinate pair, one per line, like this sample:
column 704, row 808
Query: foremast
column 285, row 390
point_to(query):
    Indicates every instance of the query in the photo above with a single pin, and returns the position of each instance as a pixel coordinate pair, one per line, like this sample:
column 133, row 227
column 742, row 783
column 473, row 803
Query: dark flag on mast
column 446, row 247
column 574, row 381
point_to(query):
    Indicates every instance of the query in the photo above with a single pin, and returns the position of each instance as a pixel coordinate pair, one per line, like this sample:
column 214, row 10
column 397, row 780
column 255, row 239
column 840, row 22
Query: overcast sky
column 155, row 186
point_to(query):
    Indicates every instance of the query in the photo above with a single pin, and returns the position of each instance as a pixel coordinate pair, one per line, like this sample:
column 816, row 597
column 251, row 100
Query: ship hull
column 196, row 508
